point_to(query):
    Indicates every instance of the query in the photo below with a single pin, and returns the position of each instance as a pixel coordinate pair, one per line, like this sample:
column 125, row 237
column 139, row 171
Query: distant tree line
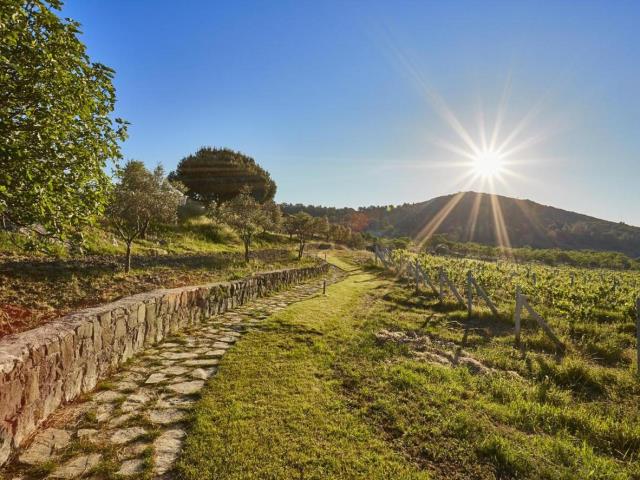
column 441, row 244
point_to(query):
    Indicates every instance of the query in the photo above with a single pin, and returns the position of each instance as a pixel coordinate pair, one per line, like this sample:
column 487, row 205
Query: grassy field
column 373, row 381
column 35, row 288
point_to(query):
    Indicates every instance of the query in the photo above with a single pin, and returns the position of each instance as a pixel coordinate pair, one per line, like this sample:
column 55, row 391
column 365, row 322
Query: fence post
column 469, row 295
column 441, row 282
column 453, row 289
column 485, row 297
column 543, row 324
column 416, row 274
column 324, row 287
column 573, row 278
column 427, row 279
column 517, row 313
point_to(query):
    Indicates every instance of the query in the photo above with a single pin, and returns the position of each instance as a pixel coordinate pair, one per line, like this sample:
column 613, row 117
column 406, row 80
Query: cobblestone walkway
column 134, row 424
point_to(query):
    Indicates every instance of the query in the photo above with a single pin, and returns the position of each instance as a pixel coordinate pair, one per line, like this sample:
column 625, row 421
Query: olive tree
column 139, row 199
column 56, row 131
column 322, row 227
column 303, row 226
column 273, row 216
column 246, row 216
column 340, row 233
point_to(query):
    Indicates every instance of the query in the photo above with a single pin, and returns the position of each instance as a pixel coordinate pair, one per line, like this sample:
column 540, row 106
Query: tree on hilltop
column 139, row 199
column 214, row 176
column 56, row 131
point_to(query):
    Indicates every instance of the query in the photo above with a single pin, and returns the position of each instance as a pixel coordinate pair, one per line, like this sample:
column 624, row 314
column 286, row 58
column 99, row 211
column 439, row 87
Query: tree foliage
column 56, row 132
column 339, row 233
column 303, row 226
column 140, row 199
column 273, row 216
column 247, row 217
column 214, row 176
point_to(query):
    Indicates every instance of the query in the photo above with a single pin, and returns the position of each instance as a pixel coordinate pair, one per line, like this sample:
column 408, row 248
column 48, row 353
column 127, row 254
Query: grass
column 275, row 410
column 35, row 289
column 314, row 394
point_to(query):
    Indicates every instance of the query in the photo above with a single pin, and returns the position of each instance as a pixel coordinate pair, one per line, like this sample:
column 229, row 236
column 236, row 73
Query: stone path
column 134, row 424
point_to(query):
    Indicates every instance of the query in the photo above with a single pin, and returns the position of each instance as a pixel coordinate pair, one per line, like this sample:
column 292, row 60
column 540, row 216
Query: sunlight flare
column 488, row 164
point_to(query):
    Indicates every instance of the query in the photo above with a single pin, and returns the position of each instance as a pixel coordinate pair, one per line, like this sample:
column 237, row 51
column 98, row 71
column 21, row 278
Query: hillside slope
column 526, row 223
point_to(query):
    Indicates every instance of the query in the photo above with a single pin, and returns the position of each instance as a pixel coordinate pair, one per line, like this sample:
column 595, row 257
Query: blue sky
column 351, row 103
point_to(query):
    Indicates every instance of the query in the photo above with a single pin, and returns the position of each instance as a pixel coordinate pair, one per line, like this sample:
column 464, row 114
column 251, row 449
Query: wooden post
column 638, row 331
column 517, row 313
column 573, row 278
column 534, row 278
column 543, row 324
column 324, row 287
column 469, row 295
column 453, row 289
column 426, row 278
column 441, row 281
column 485, row 297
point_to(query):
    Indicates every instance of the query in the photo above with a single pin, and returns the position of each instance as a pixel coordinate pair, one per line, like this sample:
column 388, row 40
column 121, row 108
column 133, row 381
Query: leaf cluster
column 56, row 130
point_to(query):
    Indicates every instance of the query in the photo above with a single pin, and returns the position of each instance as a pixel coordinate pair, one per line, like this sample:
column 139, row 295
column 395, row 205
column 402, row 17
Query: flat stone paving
column 135, row 423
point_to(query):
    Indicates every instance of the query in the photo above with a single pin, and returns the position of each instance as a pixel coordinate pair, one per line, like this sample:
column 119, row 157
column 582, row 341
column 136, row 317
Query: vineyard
column 572, row 411
column 593, row 311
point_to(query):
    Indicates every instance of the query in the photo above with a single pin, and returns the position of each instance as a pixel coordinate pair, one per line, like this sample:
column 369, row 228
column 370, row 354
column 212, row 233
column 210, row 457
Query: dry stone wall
column 48, row 366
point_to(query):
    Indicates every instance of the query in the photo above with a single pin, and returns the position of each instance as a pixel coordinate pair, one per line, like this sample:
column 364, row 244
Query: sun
column 488, row 164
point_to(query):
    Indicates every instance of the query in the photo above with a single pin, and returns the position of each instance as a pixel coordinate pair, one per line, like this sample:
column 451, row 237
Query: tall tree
column 216, row 175
column 56, row 131
column 140, row 199
column 246, row 216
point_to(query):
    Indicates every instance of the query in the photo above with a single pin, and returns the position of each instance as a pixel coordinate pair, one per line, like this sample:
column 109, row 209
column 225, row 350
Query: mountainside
column 488, row 219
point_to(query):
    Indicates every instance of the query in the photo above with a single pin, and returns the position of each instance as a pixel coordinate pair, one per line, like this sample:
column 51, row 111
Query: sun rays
column 486, row 161
column 484, row 154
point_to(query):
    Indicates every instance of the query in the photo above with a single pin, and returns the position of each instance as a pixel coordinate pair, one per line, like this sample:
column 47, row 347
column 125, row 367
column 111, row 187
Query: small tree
column 288, row 226
column 273, row 214
column 246, row 216
column 303, row 227
column 139, row 199
column 322, row 227
column 356, row 241
column 340, row 233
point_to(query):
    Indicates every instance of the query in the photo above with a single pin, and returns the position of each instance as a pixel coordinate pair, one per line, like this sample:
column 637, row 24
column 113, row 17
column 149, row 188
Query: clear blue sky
column 343, row 101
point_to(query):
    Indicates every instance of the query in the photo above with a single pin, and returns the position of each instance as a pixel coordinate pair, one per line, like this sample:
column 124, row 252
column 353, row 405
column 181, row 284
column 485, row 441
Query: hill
column 490, row 220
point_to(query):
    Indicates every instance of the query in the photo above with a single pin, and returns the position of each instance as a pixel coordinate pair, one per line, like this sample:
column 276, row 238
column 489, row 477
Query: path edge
column 51, row 365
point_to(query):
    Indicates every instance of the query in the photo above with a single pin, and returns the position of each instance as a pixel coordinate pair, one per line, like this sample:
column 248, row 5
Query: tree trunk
column 127, row 262
column 143, row 232
column 246, row 250
column 300, row 250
